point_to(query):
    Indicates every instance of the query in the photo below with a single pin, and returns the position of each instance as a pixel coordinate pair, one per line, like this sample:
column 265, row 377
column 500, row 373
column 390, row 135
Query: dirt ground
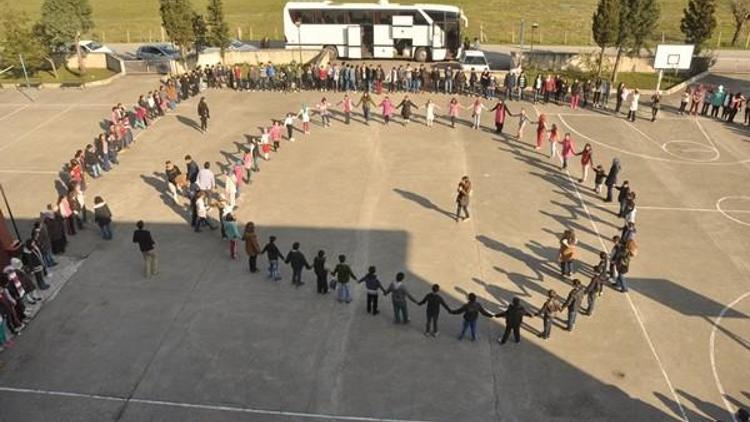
column 207, row 340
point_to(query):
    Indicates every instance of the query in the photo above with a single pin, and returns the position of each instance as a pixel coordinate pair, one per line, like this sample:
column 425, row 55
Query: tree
column 218, row 30
column 200, row 29
column 18, row 39
column 605, row 26
column 62, row 23
column 698, row 22
column 741, row 13
column 638, row 19
column 177, row 18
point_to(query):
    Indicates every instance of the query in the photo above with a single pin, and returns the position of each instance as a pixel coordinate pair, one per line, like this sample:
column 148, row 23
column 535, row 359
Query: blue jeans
column 572, row 314
column 472, row 325
column 622, row 284
column 547, row 327
column 400, row 312
column 106, row 231
column 592, row 301
column 343, row 293
column 449, row 86
column 273, row 269
column 96, row 170
column 105, row 162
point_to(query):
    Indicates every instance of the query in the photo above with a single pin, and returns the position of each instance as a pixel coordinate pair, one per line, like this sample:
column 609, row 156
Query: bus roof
column 330, row 4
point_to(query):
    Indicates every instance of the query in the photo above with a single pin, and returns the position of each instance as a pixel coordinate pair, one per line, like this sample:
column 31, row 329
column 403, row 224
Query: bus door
column 368, row 42
column 354, row 42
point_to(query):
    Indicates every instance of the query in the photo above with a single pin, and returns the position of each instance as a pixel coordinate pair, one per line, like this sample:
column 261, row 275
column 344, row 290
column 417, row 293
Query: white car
column 473, row 60
column 90, row 46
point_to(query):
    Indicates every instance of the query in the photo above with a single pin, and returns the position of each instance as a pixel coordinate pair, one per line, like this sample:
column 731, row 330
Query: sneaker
column 427, row 334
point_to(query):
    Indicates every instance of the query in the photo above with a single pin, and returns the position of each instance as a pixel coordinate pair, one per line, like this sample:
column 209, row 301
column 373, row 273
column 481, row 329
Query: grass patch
column 66, row 76
column 560, row 21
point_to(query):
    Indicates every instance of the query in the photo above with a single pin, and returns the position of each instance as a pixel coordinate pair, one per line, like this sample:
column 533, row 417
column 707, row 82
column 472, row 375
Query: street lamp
column 534, row 27
column 298, row 23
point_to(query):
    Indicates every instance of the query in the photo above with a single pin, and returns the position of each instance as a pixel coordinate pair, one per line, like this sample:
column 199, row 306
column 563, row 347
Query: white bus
column 375, row 30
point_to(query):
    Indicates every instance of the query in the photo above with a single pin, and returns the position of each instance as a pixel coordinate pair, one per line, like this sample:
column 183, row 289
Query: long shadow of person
column 187, row 121
column 424, row 202
column 158, row 182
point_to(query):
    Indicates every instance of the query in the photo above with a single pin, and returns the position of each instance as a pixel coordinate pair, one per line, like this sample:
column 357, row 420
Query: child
column 373, row 285
column 289, row 124
column 103, row 217
column 601, row 175
column 471, row 311
column 430, row 113
column 321, row 272
column 265, row 144
column 273, row 254
column 233, row 234
column 297, row 260
column 304, row 114
column 343, row 274
column 347, row 104
column 275, row 134
column 434, row 302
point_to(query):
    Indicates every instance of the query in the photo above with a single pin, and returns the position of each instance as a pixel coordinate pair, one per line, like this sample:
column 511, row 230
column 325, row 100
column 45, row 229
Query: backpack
column 632, row 247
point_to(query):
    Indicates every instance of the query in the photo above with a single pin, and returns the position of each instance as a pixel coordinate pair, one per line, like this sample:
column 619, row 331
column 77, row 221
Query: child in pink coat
column 388, row 109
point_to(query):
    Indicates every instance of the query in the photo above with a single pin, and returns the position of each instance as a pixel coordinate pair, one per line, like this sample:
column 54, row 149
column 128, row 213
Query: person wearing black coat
column 103, row 217
column 204, row 114
column 471, row 311
column 434, row 302
column 321, row 272
column 513, row 320
column 298, row 262
column 573, row 303
column 192, row 169
column 405, row 105
column 611, row 180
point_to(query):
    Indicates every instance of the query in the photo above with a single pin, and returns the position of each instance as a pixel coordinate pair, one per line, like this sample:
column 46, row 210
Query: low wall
column 277, row 56
column 92, row 61
column 554, row 60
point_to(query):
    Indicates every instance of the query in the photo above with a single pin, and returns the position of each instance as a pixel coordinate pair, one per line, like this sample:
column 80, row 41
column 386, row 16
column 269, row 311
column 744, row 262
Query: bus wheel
column 332, row 53
column 420, row 54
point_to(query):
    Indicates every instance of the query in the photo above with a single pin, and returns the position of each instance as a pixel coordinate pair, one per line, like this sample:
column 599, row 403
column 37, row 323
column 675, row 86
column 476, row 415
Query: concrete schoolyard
column 207, row 341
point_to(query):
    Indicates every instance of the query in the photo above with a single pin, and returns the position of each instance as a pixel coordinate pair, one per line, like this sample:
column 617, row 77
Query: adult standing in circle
column 541, row 130
column 204, row 113
column 252, row 247
column 476, row 112
column 611, row 180
column 501, row 112
column 462, row 198
column 567, row 252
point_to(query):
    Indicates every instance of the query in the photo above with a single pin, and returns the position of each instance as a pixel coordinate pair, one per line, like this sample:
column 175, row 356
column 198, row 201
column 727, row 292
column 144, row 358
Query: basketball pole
column 658, row 80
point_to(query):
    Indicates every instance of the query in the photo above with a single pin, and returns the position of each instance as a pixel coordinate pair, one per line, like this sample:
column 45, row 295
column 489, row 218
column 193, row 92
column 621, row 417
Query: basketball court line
column 644, row 156
column 109, row 105
column 199, row 406
column 712, row 353
column 599, row 116
column 35, row 128
column 633, row 307
column 683, row 209
column 14, row 112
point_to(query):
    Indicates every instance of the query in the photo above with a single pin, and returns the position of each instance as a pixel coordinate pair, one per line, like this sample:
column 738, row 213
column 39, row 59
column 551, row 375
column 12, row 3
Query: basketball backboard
column 673, row 56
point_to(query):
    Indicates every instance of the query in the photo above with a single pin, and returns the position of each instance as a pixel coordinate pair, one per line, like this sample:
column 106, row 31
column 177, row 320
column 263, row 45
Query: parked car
column 91, row 46
column 156, row 52
column 473, row 60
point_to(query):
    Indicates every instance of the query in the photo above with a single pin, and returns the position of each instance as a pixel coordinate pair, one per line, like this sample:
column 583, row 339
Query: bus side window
column 360, row 17
column 383, row 17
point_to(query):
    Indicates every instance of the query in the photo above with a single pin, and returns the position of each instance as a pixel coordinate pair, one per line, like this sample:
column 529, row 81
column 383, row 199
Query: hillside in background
column 560, row 21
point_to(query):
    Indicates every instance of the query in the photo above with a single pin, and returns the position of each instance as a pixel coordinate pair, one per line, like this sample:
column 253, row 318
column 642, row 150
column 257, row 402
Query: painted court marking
column 168, row 403
column 650, row 157
column 35, row 128
column 712, row 352
column 633, row 307
column 725, row 213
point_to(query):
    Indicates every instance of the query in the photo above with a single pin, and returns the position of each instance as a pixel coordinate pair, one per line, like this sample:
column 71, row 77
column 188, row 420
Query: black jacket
column 144, row 240
column 272, row 251
column 471, row 311
column 203, row 110
column 192, row 171
column 434, row 302
column 297, row 260
column 514, row 315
